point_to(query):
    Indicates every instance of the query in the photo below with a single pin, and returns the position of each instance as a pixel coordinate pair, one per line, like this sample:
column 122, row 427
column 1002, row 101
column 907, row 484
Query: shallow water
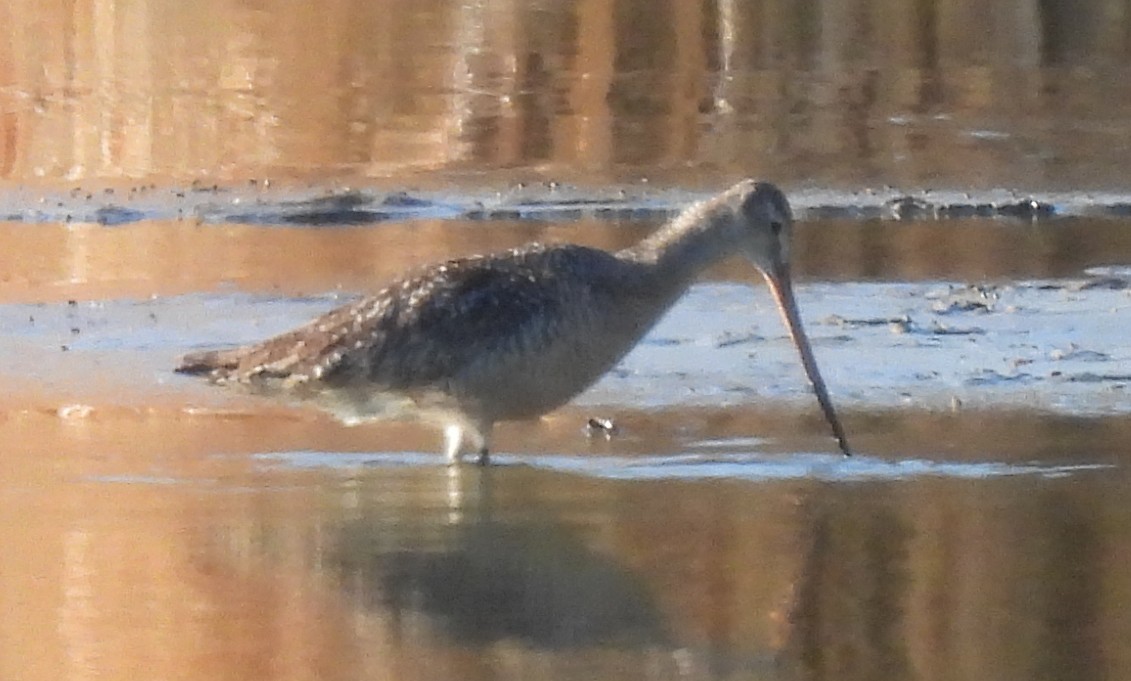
column 941, row 94
column 196, row 545
column 714, row 534
column 176, row 176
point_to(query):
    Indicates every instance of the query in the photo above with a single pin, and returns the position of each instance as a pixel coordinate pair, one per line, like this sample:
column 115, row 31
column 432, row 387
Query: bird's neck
column 683, row 248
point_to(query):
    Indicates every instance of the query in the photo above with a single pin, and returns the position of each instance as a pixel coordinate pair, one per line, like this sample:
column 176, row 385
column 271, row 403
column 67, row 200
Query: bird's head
column 759, row 221
column 761, row 225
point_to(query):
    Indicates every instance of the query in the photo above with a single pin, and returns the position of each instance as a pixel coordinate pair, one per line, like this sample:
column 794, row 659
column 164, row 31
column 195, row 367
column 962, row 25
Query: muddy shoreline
column 262, row 203
column 1052, row 345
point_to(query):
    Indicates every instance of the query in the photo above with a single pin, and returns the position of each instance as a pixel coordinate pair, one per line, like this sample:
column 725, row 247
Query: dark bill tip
column 782, row 288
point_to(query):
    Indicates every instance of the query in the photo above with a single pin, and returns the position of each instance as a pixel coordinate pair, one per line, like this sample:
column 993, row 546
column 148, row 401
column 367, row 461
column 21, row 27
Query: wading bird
column 516, row 334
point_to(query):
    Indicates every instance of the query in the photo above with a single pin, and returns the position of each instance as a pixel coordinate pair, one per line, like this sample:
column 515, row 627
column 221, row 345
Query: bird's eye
column 776, row 227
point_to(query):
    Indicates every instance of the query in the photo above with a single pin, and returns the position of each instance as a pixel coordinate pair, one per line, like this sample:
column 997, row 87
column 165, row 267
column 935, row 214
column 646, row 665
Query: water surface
column 168, row 526
column 176, row 176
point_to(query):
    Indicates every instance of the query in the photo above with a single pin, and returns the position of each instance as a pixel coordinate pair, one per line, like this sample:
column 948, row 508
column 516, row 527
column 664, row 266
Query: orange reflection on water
column 943, row 93
column 156, row 544
column 53, row 261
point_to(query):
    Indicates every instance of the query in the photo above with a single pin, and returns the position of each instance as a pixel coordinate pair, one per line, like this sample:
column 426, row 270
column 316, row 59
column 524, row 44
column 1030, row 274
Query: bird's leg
column 478, row 433
column 453, row 443
column 475, row 435
column 481, row 436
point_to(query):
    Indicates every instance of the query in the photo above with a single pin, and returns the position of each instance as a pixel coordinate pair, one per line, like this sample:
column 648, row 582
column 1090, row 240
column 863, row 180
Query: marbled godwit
column 514, row 335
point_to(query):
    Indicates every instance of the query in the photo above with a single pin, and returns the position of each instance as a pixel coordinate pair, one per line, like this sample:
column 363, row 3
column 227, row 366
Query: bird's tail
column 207, row 361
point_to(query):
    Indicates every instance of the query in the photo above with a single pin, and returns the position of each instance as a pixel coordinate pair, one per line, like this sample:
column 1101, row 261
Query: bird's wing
column 478, row 309
column 425, row 328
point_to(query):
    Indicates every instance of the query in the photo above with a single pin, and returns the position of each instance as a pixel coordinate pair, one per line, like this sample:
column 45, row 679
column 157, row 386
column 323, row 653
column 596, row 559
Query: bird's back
column 503, row 336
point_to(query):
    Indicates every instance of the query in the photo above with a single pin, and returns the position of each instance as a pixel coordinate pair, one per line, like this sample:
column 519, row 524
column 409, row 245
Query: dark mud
column 257, row 203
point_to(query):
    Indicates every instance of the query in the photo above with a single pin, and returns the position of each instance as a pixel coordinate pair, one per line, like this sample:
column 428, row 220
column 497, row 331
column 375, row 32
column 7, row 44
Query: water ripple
column 752, row 467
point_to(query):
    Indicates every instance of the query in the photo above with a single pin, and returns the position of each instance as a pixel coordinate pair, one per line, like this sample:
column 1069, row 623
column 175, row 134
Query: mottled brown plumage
column 513, row 335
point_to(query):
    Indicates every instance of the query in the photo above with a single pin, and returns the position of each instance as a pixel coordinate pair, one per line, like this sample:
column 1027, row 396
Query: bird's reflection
column 477, row 575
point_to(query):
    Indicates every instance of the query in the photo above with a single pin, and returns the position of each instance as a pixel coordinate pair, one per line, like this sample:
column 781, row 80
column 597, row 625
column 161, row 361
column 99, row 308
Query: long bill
column 782, row 288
